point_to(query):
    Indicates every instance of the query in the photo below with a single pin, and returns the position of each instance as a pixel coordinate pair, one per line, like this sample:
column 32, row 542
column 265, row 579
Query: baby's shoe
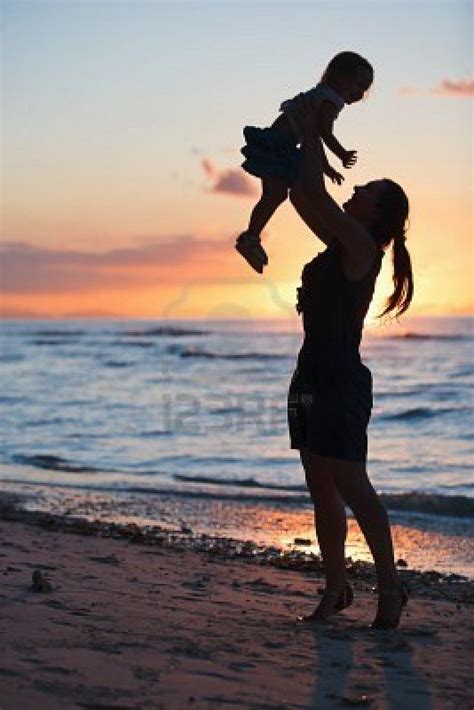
column 251, row 249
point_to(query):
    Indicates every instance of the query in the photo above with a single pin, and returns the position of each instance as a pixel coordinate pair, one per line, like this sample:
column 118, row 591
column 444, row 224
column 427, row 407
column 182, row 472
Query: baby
column 272, row 154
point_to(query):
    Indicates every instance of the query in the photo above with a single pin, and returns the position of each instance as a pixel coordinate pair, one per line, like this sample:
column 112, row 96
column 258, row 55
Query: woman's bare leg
column 329, row 516
column 274, row 192
column 358, row 493
column 354, row 488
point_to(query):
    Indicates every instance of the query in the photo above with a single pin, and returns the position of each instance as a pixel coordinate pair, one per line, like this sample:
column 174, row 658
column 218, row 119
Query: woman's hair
column 344, row 64
column 393, row 208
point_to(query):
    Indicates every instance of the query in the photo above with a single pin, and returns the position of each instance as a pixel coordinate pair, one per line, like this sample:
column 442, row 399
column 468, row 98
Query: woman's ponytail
column 390, row 227
column 402, row 278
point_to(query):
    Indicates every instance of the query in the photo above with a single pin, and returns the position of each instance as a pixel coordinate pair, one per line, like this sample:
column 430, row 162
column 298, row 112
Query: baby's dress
column 270, row 153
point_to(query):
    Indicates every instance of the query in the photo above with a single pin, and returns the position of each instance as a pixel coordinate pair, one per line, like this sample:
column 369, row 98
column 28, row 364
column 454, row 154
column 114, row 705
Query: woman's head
column 350, row 75
column 383, row 207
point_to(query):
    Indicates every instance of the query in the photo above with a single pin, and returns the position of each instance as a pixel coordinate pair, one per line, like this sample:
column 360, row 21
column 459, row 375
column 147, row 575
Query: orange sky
column 200, row 275
column 122, row 192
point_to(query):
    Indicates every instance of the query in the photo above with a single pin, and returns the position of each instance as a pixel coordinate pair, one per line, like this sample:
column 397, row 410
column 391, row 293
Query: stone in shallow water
column 302, row 541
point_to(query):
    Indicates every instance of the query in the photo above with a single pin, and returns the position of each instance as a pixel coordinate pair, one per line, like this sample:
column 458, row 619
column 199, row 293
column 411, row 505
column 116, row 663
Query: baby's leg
column 274, row 192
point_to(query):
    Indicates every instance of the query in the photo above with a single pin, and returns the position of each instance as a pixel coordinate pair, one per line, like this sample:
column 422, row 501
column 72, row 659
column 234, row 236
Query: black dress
column 330, row 395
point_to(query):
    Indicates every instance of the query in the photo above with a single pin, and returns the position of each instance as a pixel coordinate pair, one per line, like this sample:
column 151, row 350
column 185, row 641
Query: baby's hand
column 333, row 175
column 349, row 158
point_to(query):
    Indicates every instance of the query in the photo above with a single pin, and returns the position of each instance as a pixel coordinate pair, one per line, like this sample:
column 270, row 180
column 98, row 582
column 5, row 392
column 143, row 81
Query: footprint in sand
column 240, row 666
column 106, row 559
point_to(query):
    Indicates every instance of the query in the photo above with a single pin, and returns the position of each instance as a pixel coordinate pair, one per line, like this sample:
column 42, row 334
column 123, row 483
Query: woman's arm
column 305, row 206
column 323, row 215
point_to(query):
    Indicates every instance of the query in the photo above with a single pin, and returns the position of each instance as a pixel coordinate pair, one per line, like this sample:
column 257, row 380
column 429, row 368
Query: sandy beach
column 141, row 623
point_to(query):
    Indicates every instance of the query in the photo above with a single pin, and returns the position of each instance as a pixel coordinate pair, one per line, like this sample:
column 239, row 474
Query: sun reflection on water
column 419, row 540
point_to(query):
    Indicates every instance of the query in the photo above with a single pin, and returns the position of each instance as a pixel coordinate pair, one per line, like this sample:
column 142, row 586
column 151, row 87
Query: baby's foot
column 251, row 249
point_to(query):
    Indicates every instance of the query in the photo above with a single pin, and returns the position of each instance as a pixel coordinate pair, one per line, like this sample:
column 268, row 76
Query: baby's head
column 350, row 75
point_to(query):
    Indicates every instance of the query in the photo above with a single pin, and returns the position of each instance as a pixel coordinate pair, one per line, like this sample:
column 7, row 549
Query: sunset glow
column 122, row 123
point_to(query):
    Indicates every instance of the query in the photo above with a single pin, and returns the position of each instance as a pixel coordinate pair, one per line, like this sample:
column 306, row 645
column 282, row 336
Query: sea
column 183, row 424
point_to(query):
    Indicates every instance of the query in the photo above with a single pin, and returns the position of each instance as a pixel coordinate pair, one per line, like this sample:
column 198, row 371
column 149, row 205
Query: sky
column 121, row 126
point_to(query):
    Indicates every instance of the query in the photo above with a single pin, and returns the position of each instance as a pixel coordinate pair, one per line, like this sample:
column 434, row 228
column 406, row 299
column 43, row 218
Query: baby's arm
column 327, row 168
column 326, row 118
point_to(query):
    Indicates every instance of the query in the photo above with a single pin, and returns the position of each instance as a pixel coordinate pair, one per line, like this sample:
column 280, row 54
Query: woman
column 330, row 396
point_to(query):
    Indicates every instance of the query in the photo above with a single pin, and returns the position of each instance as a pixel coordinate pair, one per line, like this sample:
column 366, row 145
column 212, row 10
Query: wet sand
column 125, row 621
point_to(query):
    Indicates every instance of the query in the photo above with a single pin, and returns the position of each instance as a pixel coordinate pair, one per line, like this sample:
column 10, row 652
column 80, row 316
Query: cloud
column 446, row 87
column 463, row 87
column 29, row 269
column 408, row 91
column 229, row 182
column 22, row 313
column 208, row 168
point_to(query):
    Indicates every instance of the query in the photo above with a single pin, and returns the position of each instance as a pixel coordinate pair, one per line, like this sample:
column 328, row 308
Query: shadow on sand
column 360, row 667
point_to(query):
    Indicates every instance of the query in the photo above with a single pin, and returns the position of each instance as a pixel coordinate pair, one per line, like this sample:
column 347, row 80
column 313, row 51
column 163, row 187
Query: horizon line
column 118, row 316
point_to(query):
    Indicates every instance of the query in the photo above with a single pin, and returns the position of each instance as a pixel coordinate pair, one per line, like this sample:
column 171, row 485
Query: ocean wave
column 284, row 498
column 428, row 336
column 408, row 392
column 191, row 352
column 13, row 399
column 287, row 497
column 134, row 343
column 52, row 421
column 53, row 463
column 239, row 483
column 207, row 460
column 116, row 363
column 420, row 413
column 50, row 341
column 57, row 332
column 464, row 371
column 11, row 357
column 433, row 504
column 164, row 331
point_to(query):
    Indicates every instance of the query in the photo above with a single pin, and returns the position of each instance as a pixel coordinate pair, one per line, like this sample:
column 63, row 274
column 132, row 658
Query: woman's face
column 362, row 205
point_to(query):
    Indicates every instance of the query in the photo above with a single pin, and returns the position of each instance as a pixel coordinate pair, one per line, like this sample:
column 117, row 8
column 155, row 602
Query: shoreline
column 432, row 583
column 423, row 542
column 414, row 502
column 119, row 618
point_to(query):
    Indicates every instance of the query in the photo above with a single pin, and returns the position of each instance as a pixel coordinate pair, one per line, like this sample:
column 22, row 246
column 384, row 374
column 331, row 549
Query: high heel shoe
column 333, row 600
column 401, row 596
column 346, row 598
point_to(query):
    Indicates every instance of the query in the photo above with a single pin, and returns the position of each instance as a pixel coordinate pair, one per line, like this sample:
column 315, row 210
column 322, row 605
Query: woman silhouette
column 330, row 396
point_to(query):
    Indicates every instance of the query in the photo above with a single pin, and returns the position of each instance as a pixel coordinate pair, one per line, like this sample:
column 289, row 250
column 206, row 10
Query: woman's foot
column 346, row 597
column 390, row 605
column 332, row 601
column 251, row 249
